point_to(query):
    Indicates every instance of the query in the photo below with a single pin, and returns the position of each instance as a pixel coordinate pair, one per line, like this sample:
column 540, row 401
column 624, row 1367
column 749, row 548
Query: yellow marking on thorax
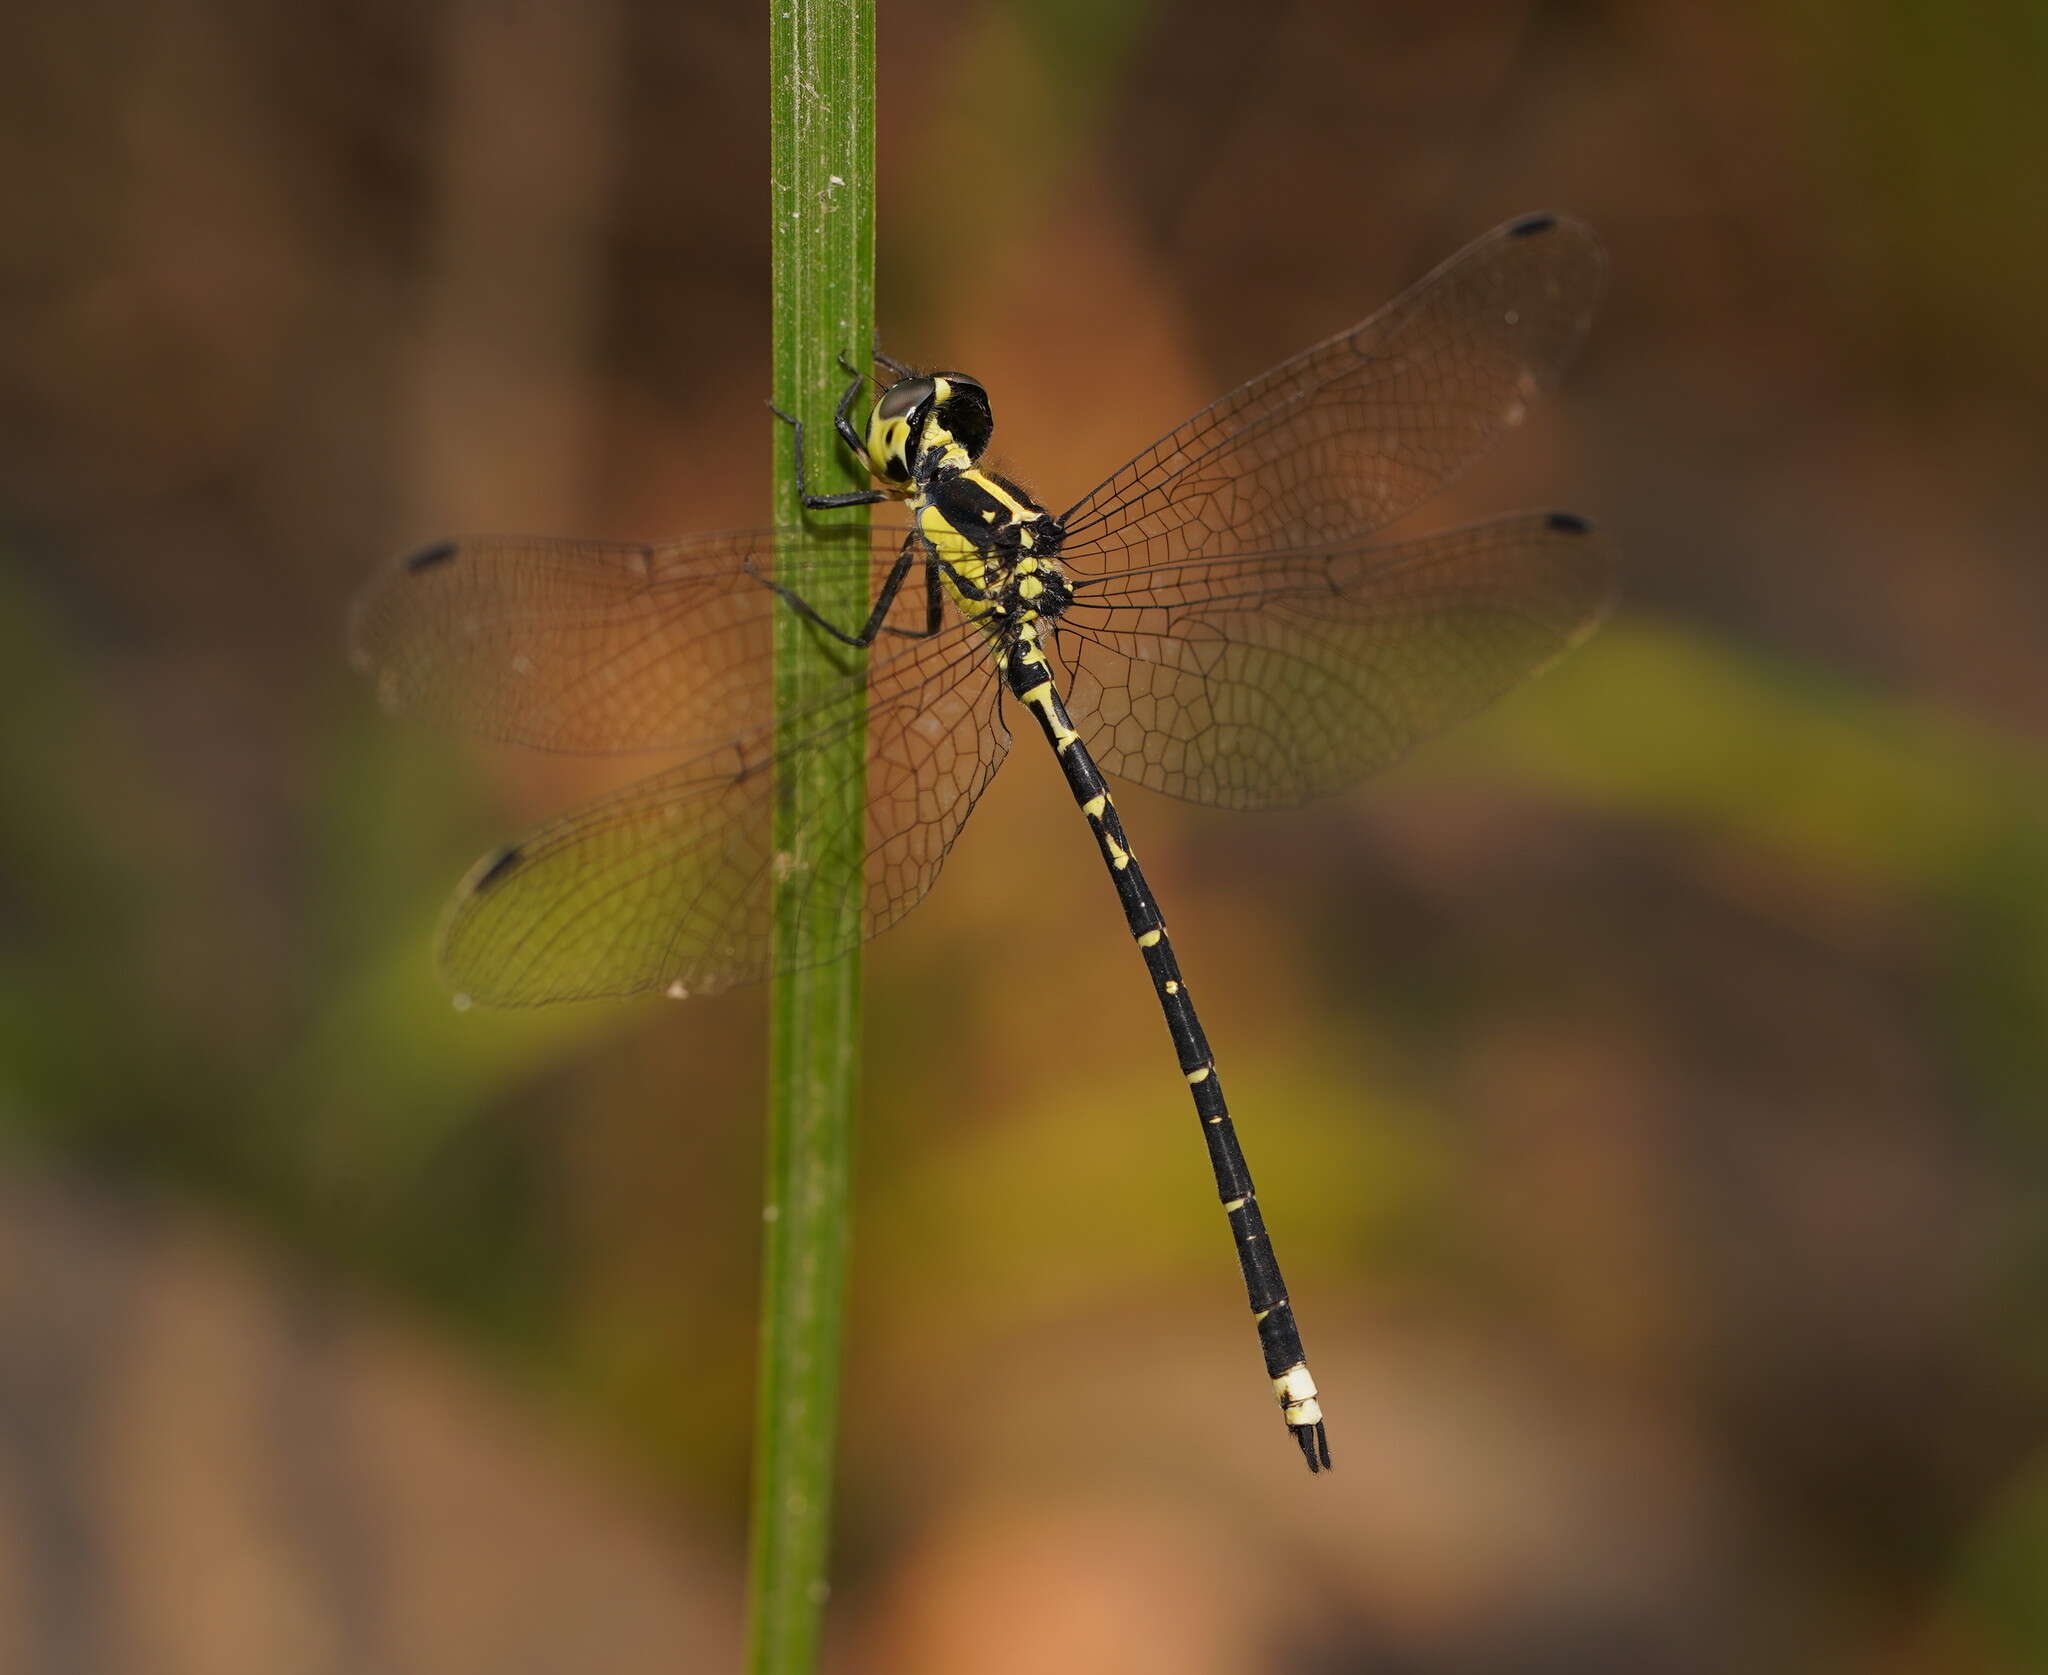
column 965, row 558
column 1014, row 509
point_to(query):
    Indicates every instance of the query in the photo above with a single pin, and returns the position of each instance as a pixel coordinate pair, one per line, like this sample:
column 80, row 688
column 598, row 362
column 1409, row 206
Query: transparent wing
column 1267, row 680
column 596, row 646
column 1232, row 643
column 1351, row 434
column 665, row 884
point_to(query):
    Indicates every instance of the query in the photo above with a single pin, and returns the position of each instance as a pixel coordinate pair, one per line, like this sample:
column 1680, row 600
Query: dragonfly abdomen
column 1029, row 678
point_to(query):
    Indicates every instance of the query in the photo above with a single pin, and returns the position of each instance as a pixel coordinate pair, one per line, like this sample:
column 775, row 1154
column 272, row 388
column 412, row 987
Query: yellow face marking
column 889, row 441
column 1195, row 1076
column 1150, row 939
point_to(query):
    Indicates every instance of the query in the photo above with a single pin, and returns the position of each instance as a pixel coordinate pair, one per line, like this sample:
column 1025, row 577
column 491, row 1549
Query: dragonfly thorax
column 998, row 547
column 1029, row 589
column 923, row 425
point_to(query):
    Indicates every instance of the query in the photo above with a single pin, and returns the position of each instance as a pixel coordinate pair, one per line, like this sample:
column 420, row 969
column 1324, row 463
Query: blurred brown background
column 1646, row 1085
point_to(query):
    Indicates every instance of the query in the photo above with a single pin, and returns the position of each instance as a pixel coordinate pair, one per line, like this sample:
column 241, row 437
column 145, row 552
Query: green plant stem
column 822, row 147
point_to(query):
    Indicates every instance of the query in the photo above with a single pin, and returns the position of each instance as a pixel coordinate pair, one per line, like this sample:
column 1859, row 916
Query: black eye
column 966, row 416
column 899, row 399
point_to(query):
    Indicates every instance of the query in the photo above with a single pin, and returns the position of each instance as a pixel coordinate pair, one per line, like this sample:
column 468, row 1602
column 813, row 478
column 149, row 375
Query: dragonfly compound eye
column 963, row 413
column 894, row 427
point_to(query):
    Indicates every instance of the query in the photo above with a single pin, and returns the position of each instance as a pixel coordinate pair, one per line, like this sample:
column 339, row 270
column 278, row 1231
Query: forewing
column 666, row 884
column 1349, row 435
column 1268, row 680
column 596, row 646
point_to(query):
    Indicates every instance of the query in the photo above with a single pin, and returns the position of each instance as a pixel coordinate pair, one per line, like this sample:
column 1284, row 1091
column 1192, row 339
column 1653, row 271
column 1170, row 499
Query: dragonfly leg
column 934, row 600
column 842, row 417
column 968, row 589
column 873, row 628
column 828, row 502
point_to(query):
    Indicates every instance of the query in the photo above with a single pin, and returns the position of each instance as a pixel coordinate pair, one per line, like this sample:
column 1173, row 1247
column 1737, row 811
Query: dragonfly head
column 919, row 420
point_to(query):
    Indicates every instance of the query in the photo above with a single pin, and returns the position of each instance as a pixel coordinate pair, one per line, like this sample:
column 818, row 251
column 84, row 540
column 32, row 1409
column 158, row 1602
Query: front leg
column 842, row 418
column 828, row 502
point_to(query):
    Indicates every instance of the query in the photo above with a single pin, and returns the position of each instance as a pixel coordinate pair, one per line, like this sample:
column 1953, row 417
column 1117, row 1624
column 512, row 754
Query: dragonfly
column 1213, row 621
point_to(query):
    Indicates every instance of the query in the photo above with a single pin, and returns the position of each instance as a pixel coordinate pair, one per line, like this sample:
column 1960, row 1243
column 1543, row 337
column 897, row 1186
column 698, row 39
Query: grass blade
column 822, row 149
